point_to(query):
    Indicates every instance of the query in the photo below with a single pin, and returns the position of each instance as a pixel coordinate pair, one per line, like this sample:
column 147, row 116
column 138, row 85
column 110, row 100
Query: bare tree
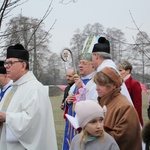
column 11, row 5
column 117, row 41
column 79, row 38
column 20, row 30
column 31, row 33
column 141, row 36
column 136, row 53
column 56, row 70
column 140, row 50
column 67, row 1
column 7, row 6
column 76, row 43
column 138, row 29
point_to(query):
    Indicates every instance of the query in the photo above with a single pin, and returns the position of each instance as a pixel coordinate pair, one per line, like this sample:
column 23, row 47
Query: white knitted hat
column 87, row 110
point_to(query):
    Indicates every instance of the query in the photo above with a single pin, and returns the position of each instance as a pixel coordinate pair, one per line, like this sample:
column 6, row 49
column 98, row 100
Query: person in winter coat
column 92, row 136
column 121, row 120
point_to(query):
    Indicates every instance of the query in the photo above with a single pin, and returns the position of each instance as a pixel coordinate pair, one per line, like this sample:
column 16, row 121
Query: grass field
column 60, row 122
column 58, row 118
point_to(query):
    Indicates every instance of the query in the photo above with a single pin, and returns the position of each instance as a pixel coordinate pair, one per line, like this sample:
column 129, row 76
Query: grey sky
column 109, row 13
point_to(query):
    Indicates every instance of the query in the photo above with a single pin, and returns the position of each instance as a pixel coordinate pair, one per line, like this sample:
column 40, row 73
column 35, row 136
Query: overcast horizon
column 76, row 15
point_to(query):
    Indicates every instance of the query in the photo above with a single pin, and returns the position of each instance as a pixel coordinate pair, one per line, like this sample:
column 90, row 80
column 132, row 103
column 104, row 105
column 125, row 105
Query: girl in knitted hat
column 121, row 120
column 92, row 136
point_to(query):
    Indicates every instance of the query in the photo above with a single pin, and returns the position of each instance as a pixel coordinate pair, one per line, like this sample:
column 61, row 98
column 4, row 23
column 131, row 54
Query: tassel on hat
column 102, row 45
column 18, row 51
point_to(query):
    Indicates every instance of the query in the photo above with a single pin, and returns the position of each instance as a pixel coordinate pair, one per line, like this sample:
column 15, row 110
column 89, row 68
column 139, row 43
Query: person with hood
column 83, row 88
column 93, row 135
column 26, row 116
column 121, row 119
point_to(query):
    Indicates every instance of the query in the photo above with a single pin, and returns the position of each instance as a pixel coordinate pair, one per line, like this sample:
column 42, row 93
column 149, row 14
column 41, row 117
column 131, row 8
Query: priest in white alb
column 26, row 118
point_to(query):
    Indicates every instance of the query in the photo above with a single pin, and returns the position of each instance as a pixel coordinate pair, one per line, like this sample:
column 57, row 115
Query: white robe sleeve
column 30, row 119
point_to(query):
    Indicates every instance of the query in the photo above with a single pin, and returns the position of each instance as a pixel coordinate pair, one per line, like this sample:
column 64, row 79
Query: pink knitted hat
column 87, row 110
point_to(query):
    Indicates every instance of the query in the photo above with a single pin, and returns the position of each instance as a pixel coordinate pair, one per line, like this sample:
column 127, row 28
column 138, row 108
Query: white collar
column 89, row 76
column 26, row 77
column 107, row 63
column 127, row 77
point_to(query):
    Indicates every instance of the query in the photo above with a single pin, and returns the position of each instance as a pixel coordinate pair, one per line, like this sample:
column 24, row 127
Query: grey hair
column 104, row 55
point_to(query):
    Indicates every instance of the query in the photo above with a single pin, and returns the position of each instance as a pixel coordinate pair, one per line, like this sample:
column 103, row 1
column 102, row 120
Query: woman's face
column 103, row 90
column 95, row 126
column 123, row 72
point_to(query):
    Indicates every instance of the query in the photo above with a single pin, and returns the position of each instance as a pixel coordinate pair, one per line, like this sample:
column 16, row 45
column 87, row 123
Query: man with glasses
column 84, row 88
column 5, row 82
column 26, row 118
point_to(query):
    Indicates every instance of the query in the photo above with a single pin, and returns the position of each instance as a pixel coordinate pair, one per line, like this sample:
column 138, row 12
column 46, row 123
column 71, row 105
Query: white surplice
column 29, row 117
column 91, row 93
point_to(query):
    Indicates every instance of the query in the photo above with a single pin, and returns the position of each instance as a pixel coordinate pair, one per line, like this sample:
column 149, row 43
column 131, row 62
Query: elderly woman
column 121, row 120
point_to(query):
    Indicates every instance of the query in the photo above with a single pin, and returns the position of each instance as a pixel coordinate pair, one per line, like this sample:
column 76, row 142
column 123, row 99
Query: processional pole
column 64, row 57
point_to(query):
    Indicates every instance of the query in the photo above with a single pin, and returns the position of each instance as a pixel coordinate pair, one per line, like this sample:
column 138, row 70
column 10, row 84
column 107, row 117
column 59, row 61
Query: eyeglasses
column 10, row 63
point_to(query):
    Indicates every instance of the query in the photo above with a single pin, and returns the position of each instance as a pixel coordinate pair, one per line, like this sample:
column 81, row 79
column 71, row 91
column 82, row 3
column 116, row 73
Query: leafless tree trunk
column 7, row 6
